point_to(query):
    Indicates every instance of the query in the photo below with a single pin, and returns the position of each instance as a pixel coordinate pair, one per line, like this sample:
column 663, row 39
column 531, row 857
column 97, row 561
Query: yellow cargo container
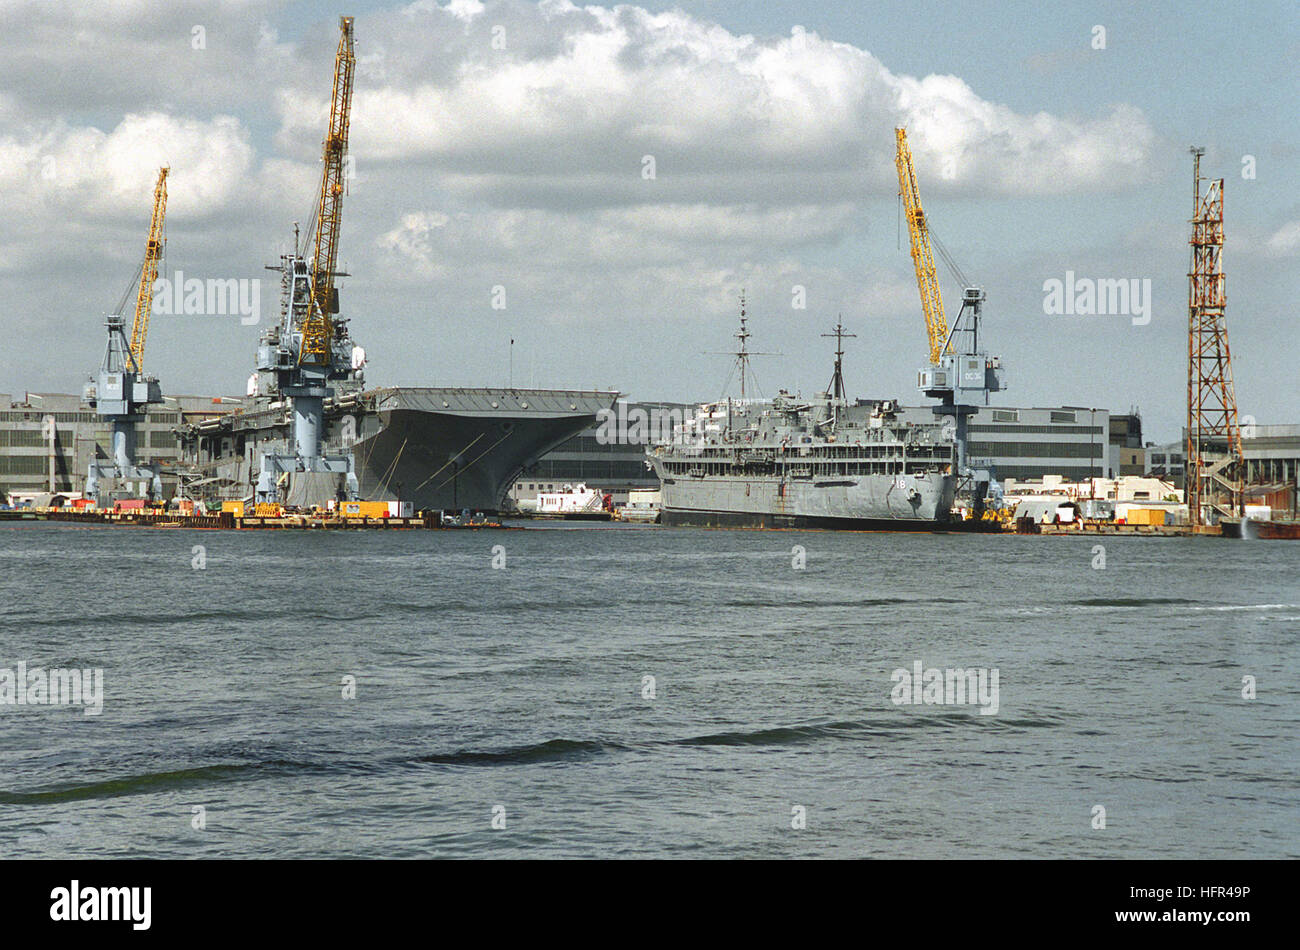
column 364, row 509
column 1146, row 516
column 235, row 508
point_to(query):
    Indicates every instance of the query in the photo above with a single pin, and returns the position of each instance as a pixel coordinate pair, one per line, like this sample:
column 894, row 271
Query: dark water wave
column 1130, row 601
column 865, row 602
column 154, row 782
column 22, row 618
column 569, row 749
column 551, row 750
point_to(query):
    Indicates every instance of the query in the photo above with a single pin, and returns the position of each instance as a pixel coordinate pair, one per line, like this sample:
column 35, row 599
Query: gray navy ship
column 444, row 449
column 790, row 462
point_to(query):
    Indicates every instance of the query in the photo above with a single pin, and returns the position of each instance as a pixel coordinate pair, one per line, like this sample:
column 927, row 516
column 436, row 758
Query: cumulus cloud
column 111, row 173
column 577, row 96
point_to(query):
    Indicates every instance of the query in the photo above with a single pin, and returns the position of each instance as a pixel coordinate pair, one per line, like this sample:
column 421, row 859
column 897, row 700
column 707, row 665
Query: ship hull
column 1263, row 530
column 917, row 502
column 741, row 519
column 440, row 449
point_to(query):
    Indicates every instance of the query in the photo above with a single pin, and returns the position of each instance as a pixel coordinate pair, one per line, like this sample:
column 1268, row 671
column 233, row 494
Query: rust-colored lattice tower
column 1214, row 463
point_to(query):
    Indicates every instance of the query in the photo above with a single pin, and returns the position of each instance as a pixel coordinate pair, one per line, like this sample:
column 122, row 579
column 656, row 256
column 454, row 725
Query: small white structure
column 642, row 506
column 1126, row 488
column 571, row 500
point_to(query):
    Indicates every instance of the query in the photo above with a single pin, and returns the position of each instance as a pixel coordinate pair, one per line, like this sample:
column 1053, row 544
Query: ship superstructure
column 795, row 462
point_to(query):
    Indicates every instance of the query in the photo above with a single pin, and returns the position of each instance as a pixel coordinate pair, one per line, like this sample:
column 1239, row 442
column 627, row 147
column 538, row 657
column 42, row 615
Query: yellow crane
column 936, row 323
column 153, row 251
column 317, row 326
column 960, row 374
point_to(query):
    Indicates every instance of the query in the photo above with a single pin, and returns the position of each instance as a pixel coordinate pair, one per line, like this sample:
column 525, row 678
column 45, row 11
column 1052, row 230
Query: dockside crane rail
column 317, row 328
column 918, row 229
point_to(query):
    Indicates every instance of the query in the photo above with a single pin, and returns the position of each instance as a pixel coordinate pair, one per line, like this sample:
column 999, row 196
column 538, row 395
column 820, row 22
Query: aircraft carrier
column 445, row 449
column 310, row 434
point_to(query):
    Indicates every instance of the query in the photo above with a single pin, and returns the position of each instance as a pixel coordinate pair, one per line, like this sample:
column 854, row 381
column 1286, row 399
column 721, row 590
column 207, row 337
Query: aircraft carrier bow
column 439, row 448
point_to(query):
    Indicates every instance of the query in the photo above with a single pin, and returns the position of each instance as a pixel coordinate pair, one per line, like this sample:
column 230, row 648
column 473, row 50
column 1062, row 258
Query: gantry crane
column 153, row 252
column 936, row 324
column 310, row 348
column 316, row 329
column 122, row 393
column 960, row 375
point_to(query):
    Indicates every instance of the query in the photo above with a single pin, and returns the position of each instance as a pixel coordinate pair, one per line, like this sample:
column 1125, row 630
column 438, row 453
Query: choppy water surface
column 522, row 692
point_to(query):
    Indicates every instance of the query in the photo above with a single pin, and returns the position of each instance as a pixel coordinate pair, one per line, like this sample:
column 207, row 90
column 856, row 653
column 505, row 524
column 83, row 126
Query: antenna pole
column 836, row 388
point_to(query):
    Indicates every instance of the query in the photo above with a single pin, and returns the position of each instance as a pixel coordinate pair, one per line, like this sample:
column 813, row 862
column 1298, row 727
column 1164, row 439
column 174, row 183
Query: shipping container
column 365, row 509
column 401, row 509
column 1146, row 516
column 235, row 508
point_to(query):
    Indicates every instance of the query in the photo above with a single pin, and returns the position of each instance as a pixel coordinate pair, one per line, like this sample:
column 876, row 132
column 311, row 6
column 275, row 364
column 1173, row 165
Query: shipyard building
column 47, row 440
column 1075, row 443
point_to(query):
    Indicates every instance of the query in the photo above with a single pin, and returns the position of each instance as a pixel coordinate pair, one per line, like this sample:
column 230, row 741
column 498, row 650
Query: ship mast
column 742, row 353
column 836, row 389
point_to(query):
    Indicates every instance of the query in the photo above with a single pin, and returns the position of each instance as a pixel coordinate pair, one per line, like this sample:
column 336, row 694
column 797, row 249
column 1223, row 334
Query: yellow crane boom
column 153, row 251
column 317, row 327
column 936, row 323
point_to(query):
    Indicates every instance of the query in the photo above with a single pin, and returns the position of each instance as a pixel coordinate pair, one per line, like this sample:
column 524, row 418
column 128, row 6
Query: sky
column 499, row 187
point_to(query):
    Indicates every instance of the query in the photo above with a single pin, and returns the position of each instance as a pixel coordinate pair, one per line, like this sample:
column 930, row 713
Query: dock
column 149, row 518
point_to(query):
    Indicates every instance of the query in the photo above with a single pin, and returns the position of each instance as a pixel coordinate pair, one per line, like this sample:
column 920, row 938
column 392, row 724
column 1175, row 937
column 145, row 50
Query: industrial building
column 1270, row 457
column 1024, row 443
column 47, row 440
column 1168, row 461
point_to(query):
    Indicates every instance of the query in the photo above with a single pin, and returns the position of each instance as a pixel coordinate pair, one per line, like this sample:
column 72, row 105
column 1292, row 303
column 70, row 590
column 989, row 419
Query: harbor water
column 615, row 691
